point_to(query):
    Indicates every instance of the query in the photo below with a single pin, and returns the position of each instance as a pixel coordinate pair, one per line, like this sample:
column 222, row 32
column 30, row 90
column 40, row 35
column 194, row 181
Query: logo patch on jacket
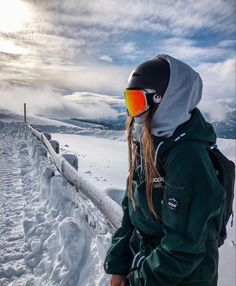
column 172, row 204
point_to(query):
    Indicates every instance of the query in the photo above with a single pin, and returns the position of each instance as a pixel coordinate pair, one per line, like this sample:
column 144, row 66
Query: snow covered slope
column 101, row 161
column 59, row 126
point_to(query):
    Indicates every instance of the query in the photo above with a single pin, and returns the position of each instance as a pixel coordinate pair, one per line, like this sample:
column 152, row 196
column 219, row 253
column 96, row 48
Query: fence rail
column 110, row 209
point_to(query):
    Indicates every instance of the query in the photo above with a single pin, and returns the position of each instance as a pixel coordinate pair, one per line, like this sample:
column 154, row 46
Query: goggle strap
column 149, row 100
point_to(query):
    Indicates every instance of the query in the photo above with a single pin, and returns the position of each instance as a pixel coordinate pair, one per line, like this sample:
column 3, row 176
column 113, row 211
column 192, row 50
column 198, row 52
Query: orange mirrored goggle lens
column 136, row 102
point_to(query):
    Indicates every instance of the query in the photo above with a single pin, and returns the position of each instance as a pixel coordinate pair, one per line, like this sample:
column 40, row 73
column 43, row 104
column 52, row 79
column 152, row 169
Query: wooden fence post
column 25, row 112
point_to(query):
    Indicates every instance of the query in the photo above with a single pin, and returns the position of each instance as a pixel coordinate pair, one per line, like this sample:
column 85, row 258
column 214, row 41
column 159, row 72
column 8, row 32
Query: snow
column 227, row 262
column 50, row 234
column 53, row 126
column 102, row 161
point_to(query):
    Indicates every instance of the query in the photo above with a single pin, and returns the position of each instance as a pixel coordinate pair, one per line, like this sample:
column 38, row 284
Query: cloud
column 88, row 97
column 44, row 101
column 101, row 78
column 75, row 31
column 7, row 46
column 219, row 79
column 216, row 110
column 227, row 44
column 189, row 50
column 92, row 46
column 129, row 48
column 97, row 78
column 106, row 58
column 175, row 17
column 218, row 88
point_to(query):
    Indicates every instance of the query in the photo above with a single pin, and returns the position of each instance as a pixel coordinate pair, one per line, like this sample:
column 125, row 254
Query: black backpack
column 225, row 172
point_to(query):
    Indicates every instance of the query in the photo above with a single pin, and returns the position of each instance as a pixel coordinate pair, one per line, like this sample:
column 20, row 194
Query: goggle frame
column 148, row 99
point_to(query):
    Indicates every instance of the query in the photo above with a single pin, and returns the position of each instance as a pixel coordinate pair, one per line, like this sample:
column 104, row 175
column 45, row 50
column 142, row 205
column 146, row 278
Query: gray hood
column 183, row 93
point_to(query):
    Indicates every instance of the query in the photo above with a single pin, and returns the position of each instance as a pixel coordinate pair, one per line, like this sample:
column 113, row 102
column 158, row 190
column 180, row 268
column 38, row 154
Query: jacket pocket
column 175, row 208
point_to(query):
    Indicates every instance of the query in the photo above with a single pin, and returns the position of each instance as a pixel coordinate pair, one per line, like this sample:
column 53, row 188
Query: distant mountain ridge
column 224, row 129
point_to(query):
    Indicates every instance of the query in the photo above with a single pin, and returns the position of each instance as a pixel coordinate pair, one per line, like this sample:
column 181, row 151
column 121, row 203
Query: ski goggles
column 139, row 100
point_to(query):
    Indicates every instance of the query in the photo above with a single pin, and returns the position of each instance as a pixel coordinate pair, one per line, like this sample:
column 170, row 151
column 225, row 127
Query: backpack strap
column 225, row 173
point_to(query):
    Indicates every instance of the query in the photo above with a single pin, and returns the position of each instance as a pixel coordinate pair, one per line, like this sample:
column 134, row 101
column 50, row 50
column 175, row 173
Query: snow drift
column 59, row 237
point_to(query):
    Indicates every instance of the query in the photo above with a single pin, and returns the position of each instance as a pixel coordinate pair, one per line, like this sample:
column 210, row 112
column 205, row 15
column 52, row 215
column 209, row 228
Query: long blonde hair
column 149, row 162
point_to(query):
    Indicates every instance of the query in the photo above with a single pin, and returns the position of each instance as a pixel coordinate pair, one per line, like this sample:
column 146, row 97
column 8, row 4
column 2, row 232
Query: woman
column 174, row 202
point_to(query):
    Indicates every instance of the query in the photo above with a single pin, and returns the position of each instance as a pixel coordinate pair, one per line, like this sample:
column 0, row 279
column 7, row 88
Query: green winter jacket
column 183, row 248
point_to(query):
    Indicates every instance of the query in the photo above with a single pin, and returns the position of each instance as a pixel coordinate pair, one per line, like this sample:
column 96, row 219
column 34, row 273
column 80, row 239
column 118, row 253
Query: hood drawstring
column 156, row 152
column 158, row 181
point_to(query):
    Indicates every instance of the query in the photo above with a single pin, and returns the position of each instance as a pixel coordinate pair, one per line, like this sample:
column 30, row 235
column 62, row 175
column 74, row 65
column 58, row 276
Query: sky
column 72, row 58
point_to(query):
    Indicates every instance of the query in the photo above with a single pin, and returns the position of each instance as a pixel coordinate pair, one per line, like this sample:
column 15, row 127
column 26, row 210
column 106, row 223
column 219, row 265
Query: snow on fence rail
column 110, row 209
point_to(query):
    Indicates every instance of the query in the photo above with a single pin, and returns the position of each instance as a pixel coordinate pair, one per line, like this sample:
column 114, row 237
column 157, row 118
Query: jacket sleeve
column 119, row 256
column 192, row 196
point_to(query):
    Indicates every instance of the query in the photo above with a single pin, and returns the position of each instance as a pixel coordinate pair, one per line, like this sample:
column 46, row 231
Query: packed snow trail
column 14, row 195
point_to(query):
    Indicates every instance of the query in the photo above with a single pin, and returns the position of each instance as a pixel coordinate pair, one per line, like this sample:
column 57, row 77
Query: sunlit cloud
column 7, row 46
column 97, row 78
column 85, row 97
column 14, row 15
column 90, row 47
column 44, row 101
